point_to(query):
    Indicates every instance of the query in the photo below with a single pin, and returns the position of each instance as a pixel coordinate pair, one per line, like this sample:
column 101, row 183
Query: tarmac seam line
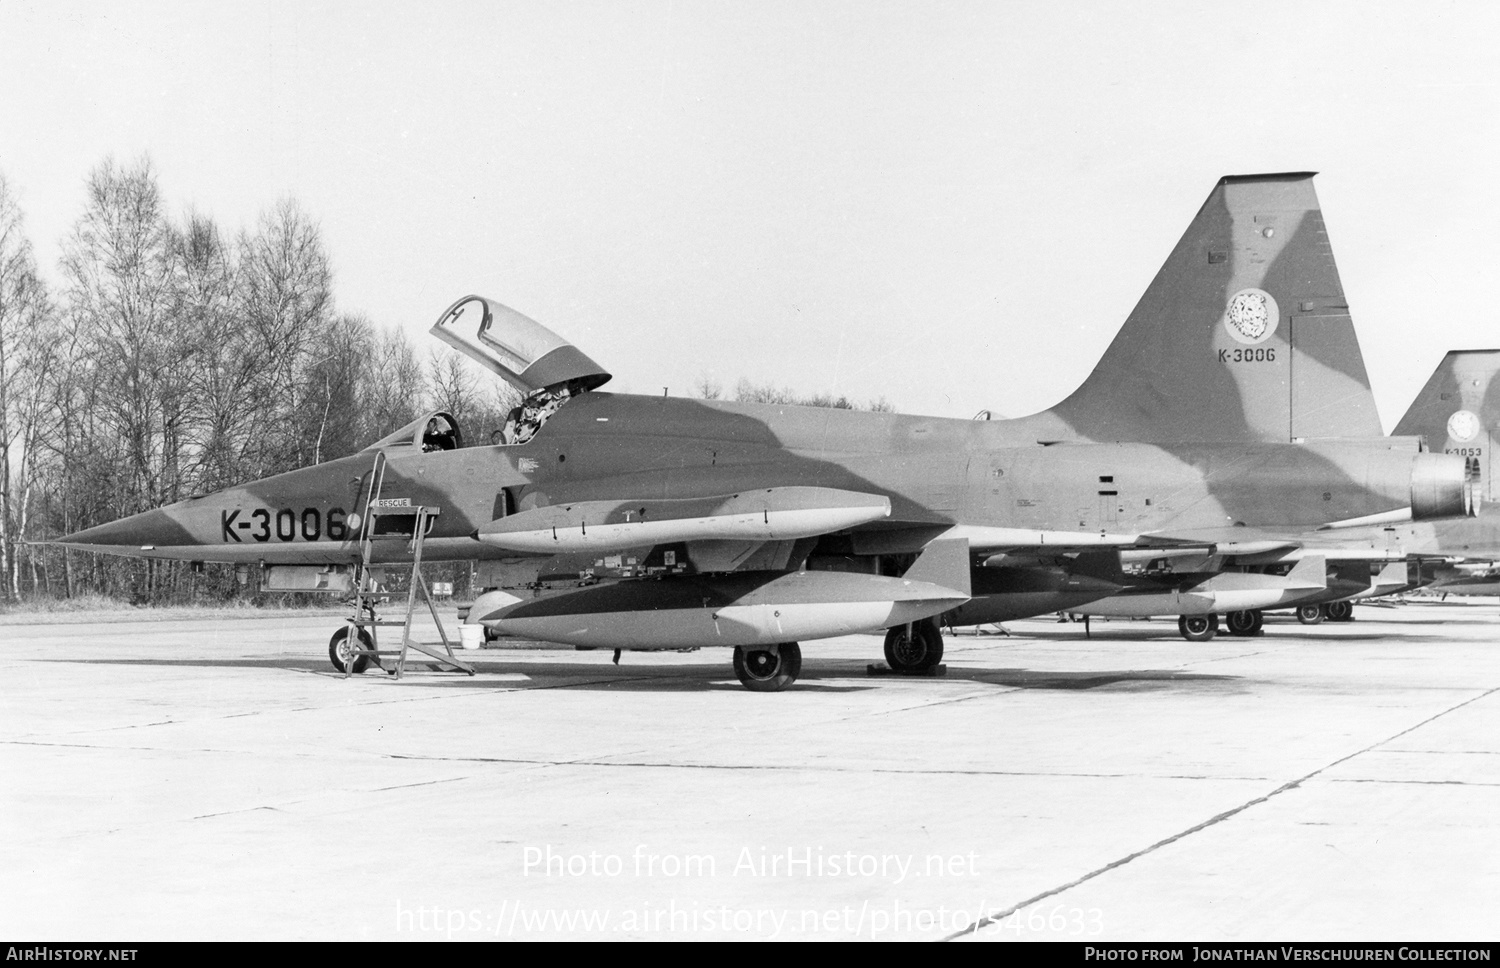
column 1212, row 821
column 805, row 768
column 1479, row 783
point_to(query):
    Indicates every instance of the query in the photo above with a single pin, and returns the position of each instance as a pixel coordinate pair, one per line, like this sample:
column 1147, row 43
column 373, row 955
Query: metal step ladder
column 386, row 520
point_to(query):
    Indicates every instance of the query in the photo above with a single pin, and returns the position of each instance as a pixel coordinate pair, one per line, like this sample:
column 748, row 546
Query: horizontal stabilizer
column 770, row 514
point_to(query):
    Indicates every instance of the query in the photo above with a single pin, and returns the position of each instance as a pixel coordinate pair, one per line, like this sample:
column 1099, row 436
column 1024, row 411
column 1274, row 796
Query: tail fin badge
column 1463, row 426
column 1251, row 316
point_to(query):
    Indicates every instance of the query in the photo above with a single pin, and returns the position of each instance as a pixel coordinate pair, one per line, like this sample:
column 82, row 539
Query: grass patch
column 101, row 608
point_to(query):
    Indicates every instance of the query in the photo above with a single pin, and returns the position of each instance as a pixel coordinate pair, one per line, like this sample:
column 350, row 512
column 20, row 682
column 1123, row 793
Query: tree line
column 170, row 357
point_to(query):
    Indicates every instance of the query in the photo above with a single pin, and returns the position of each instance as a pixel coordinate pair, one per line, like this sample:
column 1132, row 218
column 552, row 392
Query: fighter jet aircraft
column 622, row 521
column 1457, row 411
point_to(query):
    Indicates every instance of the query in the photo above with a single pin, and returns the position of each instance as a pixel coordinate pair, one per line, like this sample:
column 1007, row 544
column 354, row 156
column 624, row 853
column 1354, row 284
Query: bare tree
column 181, row 360
column 747, row 392
column 706, row 387
column 395, row 388
column 221, row 371
column 342, row 375
column 285, row 301
column 24, row 361
column 118, row 286
column 118, row 289
column 452, row 385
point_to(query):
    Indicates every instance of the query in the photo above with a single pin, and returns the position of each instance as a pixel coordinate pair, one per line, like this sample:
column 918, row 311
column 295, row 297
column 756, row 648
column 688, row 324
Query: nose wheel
column 768, row 669
column 341, row 650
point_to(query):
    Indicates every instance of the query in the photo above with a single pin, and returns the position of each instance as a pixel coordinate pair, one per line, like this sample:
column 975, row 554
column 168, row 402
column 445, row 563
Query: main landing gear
column 1310, row 614
column 914, row 648
column 1330, row 612
column 768, row 669
column 1245, row 623
column 1198, row 628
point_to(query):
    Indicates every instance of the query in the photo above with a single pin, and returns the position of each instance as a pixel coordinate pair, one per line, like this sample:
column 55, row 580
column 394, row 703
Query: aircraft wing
column 760, row 515
column 1247, row 545
column 993, row 540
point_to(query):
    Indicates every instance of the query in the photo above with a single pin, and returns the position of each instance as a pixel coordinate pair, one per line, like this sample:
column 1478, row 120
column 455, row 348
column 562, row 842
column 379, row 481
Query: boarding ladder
column 386, row 520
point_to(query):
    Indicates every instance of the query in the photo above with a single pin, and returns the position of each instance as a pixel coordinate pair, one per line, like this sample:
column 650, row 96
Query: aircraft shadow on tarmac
column 835, row 676
column 536, row 675
column 1474, row 620
column 1093, row 679
column 282, row 662
column 832, row 677
column 1277, row 634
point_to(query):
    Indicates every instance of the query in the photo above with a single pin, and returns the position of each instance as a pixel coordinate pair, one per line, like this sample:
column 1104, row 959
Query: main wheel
column 1197, row 628
column 1244, row 623
column 340, row 649
column 917, row 652
column 1340, row 611
column 768, row 670
column 1310, row 614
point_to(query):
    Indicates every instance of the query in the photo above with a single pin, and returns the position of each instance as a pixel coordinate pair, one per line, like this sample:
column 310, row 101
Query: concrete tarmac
column 214, row 778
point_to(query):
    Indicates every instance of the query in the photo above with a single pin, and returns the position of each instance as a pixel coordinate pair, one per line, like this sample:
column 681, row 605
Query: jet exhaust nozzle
column 1444, row 486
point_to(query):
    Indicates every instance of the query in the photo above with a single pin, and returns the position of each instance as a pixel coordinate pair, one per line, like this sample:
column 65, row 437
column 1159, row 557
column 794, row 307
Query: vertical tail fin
column 1458, row 411
column 1244, row 334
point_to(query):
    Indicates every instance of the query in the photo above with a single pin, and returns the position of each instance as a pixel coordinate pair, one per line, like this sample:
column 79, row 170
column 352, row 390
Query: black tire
column 918, row 652
column 1244, row 623
column 338, row 651
column 1340, row 611
column 765, row 670
column 1198, row 628
column 1310, row 614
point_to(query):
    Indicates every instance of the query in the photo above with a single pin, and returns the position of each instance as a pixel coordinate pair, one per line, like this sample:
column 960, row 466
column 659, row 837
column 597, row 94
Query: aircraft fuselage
column 937, row 473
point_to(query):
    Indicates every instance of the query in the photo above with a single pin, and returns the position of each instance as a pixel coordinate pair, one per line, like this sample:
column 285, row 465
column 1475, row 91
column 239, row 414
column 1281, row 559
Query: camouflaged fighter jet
column 1459, row 409
column 621, row 521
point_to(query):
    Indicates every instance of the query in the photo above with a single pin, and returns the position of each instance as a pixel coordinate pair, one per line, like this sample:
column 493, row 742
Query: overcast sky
column 951, row 205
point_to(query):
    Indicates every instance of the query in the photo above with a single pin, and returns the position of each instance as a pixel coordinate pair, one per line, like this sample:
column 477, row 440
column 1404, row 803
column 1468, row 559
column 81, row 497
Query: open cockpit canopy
column 522, row 351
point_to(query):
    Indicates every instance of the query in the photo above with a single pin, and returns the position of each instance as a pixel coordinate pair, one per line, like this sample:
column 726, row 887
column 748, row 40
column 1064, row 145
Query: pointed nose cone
column 137, row 534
